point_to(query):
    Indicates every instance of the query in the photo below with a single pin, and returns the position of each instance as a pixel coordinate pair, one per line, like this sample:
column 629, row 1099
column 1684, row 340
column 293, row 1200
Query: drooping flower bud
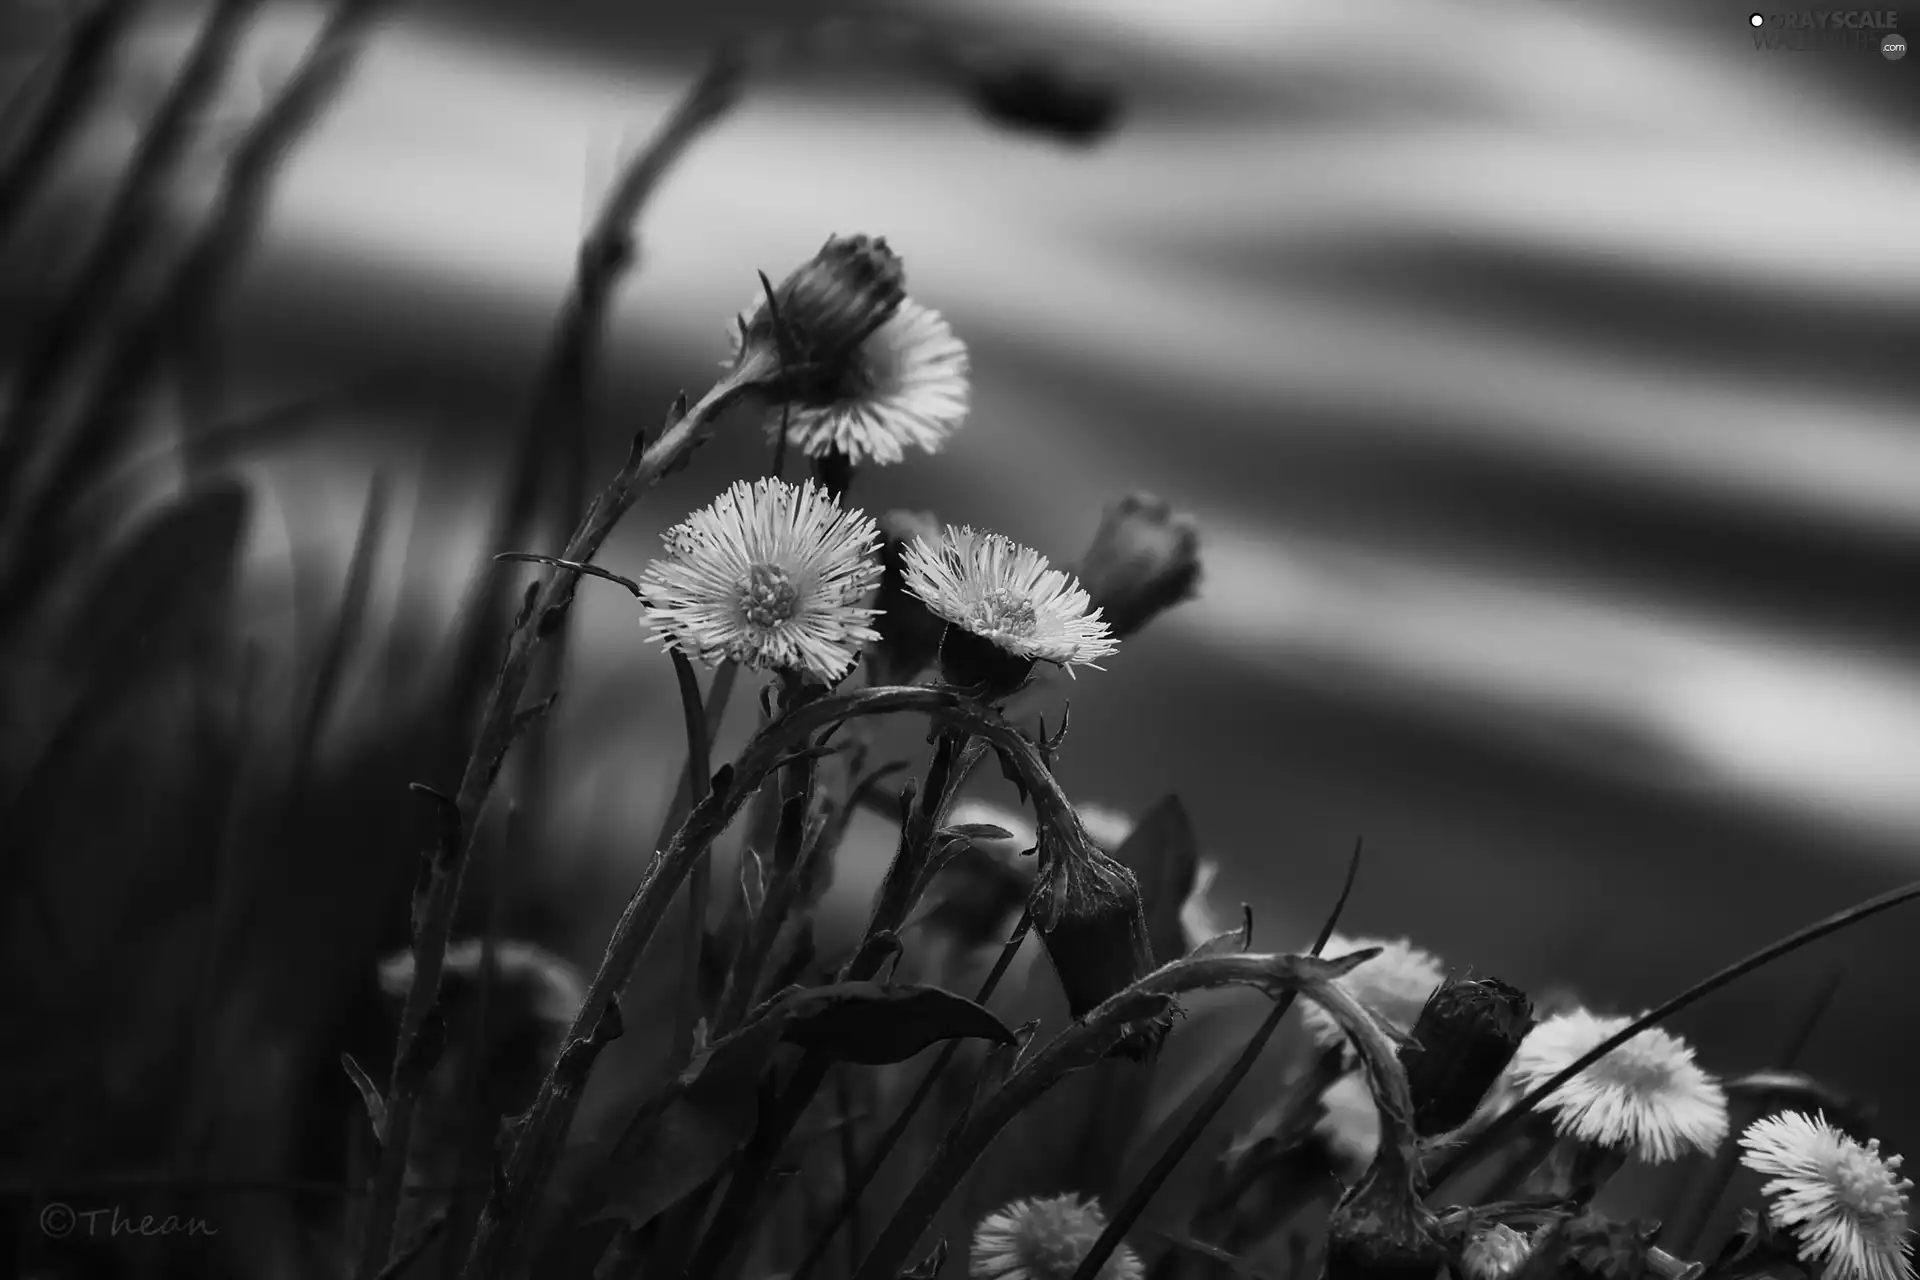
column 1039, row 95
column 1145, row 559
column 1463, row 1039
column 1088, row 910
column 909, row 632
column 826, row 308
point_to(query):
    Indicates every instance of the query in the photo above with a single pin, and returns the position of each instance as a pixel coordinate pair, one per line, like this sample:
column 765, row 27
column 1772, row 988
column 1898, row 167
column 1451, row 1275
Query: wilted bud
column 1145, row 559
column 1039, row 95
column 827, row 308
column 1463, row 1039
column 909, row 632
column 1088, row 910
column 1494, row 1252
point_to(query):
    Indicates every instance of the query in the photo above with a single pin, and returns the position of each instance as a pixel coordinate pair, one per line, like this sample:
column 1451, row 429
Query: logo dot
column 1756, row 20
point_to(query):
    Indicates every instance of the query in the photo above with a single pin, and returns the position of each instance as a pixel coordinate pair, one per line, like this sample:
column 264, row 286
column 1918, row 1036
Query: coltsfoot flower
column 1395, row 985
column 1647, row 1098
column 1045, row 1239
column 772, row 575
column 827, row 310
column 1006, row 608
column 904, row 387
column 1843, row 1202
column 1494, row 1252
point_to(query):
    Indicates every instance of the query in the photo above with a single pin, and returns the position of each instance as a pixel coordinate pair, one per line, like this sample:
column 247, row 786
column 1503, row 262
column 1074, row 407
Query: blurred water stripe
column 1541, row 373
column 1282, row 268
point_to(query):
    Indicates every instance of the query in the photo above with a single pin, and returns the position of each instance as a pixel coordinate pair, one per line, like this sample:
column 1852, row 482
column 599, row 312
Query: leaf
column 877, row 1023
column 1232, row 943
column 369, row 1094
column 1164, row 856
column 977, row 831
column 158, row 590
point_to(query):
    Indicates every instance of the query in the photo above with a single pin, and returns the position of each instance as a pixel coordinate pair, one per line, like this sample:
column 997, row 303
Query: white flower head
column 1349, row 1126
column 1007, row 594
column 1844, row 1203
column 772, row 575
column 1495, row 1252
column 1647, row 1096
column 905, row 386
column 1045, row 1239
column 1394, row 985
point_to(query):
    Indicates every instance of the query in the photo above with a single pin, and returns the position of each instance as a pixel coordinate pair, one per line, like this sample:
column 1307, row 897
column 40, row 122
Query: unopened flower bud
column 826, row 309
column 1088, row 910
column 1463, row 1039
column 909, row 632
column 1145, row 559
column 1039, row 95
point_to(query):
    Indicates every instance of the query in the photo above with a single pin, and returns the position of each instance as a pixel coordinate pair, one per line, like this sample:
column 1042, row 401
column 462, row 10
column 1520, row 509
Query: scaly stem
column 547, row 1120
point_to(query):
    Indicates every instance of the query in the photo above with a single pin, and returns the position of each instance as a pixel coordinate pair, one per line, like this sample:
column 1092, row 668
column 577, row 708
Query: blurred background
column 1541, row 375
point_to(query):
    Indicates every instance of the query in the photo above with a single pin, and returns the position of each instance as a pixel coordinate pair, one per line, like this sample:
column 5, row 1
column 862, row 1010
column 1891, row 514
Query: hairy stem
column 437, row 898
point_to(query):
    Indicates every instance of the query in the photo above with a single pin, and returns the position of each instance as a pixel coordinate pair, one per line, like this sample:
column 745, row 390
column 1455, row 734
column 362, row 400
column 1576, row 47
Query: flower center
column 1004, row 611
column 768, row 597
column 1637, row 1067
column 1862, row 1184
